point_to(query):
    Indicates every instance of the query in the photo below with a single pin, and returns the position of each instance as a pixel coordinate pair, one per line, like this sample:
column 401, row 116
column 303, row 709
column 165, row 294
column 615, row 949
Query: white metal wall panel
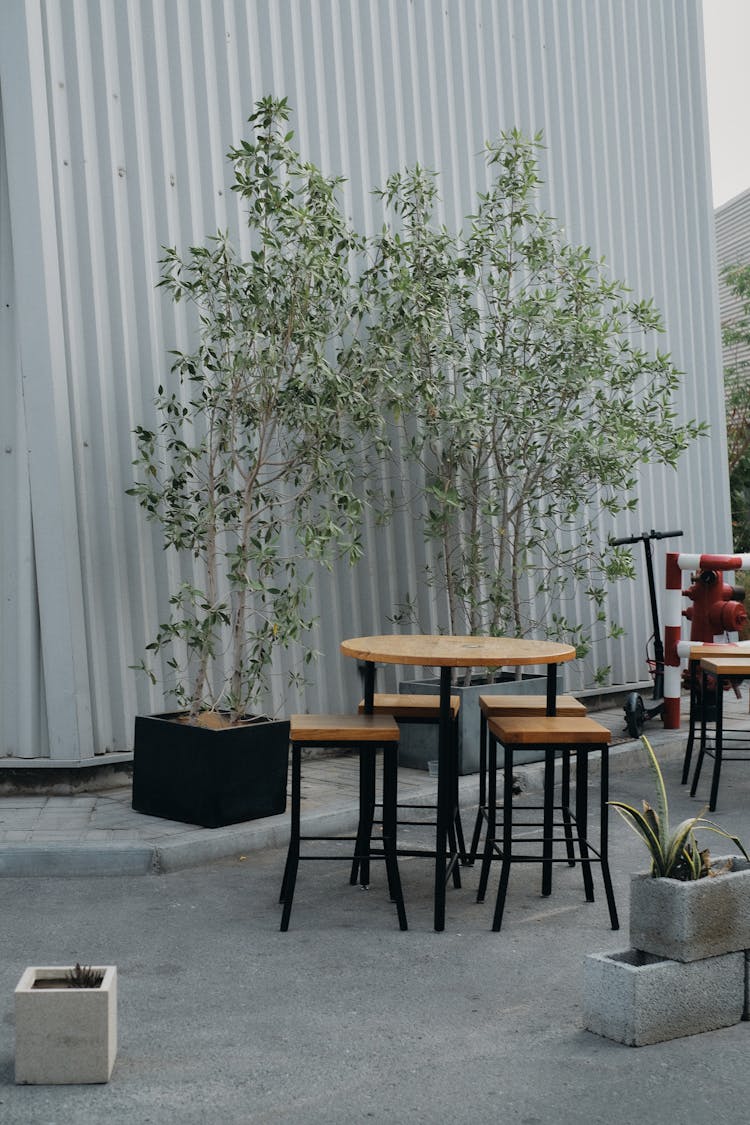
column 22, row 715
column 48, row 409
column 135, row 104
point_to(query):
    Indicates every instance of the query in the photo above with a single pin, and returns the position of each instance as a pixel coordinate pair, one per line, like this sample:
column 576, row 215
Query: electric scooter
column 638, row 711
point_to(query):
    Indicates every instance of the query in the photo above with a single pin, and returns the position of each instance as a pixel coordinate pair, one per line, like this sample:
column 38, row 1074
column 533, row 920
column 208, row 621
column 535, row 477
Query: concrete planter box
column 636, row 998
column 690, row 921
column 419, row 742
column 65, row 1035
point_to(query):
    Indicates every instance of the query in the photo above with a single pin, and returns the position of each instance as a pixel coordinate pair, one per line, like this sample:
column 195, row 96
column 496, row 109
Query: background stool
column 365, row 734
column 497, row 706
column 702, row 707
column 549, row 735
column 725, row 670
column 423, row 709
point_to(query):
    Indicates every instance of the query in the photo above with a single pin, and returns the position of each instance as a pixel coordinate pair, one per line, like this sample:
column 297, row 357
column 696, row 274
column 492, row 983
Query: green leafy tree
column 251, row 470
column 528, row 386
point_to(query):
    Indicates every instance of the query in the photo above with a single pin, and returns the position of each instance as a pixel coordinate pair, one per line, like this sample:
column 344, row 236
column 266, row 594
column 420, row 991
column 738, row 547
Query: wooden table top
column 432, row 650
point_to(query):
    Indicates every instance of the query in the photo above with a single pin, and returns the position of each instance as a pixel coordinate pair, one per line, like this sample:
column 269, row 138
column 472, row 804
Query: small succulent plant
column 84, row 976
column 674, row 853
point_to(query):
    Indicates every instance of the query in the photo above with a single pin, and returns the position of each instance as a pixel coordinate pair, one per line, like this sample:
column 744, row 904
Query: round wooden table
column 446, row 653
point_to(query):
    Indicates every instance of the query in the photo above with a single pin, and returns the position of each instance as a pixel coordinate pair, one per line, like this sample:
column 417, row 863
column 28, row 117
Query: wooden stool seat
column 497, row 706
column 328, row 729
column 559, row 730
column 410, row 707
column 553, row 735
column 492, row 705
column 365, row 734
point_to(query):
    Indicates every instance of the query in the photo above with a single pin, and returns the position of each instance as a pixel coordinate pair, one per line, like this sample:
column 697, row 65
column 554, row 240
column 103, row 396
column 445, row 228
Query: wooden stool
column 423, row 709
column 366, row 734
column 495, row 707
column 549, row 735
column 410, row 708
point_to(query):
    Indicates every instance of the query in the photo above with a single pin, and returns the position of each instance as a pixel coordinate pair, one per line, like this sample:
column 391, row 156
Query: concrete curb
column 199, row 846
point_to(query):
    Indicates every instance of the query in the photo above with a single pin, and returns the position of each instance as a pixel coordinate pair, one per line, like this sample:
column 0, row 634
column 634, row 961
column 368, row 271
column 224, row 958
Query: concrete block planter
column 65, row 1035
column 688, row 921
column 637, row 998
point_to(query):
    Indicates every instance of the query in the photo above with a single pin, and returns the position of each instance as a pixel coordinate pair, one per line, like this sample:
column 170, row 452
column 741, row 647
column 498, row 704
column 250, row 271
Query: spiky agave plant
column 84, row 976
column 674, row 853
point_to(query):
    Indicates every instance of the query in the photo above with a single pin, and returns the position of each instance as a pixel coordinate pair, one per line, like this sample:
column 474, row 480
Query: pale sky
column 727, row 40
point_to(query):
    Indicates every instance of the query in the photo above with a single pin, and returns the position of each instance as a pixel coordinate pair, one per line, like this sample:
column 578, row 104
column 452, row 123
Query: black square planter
column 209, row 777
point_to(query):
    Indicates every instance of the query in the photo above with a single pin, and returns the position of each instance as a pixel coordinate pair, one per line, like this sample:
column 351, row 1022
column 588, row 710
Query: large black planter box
column 209, row 777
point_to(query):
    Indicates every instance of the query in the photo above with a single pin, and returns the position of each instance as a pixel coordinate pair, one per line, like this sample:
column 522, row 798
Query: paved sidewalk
column 98, row 833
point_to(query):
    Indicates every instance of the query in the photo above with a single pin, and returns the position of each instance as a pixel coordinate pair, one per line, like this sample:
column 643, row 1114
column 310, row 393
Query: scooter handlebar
column 644, row 537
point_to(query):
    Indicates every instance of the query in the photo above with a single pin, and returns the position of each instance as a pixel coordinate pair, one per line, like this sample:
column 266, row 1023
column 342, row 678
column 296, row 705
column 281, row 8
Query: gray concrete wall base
column 637, row 999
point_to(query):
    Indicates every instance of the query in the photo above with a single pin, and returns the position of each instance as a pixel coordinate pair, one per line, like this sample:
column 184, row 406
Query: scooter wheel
column 635, row 715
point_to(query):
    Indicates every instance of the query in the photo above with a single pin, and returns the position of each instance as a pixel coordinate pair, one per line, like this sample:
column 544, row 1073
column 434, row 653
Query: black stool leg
column 691, row 725
column 502, row 890
column 491, row 817
column 361, row 862
column 565, row 803
column 455, row 838
column 482, row 810
column 460, row 842
column 604, row 838
column 390, row 781
column 582, row 819
column 718, row 743
column 548, row 819
column 702, row 748
column 292, row 859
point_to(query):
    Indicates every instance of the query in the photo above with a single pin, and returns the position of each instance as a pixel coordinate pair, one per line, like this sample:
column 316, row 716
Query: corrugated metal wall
column 116, row 118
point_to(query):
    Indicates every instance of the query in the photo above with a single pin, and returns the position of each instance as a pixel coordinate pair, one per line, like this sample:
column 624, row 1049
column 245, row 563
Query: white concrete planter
column 693, row 920
column 637, row 999
column 64, row 1034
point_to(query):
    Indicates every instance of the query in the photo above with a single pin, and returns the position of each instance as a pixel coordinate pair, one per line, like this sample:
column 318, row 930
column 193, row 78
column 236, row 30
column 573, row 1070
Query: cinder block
column 636, row 998
column 692, row 920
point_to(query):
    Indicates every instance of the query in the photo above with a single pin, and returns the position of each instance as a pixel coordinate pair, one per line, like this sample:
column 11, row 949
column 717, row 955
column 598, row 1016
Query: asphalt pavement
column 344, row 1018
